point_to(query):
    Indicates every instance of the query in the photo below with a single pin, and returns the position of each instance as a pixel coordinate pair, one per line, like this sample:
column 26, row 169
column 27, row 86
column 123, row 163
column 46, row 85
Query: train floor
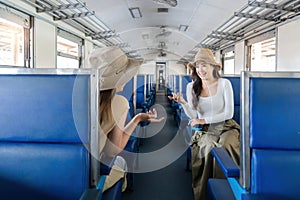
column 169, row 182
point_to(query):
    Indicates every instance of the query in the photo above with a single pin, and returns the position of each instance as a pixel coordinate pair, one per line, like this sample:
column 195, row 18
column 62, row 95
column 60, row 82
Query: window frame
column 224, row 58
column 260, row 38
column 73, row 38
column 26, row 21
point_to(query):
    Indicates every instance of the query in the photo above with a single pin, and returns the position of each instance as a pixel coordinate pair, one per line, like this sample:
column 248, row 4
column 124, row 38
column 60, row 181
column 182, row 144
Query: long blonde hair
column 105, row 111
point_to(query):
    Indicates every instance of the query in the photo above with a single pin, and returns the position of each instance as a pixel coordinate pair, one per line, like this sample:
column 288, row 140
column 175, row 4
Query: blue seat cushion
column 264, row 197
column 43, row 171
column 219, row 189
column 275, row 172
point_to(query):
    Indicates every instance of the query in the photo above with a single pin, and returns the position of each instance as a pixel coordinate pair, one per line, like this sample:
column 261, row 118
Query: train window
column 69, row 50
column 228, row 61
column 262, row 51
column 14, row 37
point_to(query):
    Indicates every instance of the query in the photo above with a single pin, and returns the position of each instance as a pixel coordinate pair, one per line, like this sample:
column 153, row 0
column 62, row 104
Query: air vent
column 162, row 10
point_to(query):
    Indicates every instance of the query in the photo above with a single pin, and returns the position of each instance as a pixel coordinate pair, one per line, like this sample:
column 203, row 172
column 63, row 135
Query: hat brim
column 208, row 62
column 131, row 70
column 123, row 77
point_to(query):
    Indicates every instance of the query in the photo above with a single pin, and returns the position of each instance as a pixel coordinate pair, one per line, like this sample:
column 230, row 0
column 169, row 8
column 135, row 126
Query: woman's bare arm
column 120, row 134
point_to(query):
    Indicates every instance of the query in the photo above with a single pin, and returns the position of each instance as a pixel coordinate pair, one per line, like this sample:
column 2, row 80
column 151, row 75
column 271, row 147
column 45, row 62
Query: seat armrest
column 101, row 182
column 91, row 194
column 228, row 166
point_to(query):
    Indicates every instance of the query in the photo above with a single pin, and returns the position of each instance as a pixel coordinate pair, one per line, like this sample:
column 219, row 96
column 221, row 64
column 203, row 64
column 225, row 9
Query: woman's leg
column 201, row 171
column 117, row 172
column 231, row 142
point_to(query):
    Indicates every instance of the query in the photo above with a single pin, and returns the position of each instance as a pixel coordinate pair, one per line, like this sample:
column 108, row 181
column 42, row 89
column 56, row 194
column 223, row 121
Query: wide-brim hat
column 206, row 55
column 115, row 68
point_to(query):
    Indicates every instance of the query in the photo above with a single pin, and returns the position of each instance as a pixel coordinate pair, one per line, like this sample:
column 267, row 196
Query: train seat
column 270, row 154
column 48, row 125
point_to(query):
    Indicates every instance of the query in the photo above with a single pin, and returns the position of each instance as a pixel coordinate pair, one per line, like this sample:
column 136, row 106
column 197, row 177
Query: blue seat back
column 128, row 93
column 177, row 84
column 184, row 81
column 273, row 111
column 43, row 106
column 273, row 134
column 140, row 91
column 45, row 135
column 236, row 84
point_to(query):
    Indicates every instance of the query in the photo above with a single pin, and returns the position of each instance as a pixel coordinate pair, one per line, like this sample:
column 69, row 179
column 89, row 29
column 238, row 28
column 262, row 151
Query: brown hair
column 198, row 86
column 105, row 99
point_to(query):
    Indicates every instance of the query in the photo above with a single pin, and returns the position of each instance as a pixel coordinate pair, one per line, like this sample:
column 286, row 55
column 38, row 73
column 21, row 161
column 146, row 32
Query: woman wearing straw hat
column 115, row 70
column 210, row 104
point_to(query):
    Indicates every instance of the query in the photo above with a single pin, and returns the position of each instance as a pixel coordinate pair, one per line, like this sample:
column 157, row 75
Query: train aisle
column 170, row 182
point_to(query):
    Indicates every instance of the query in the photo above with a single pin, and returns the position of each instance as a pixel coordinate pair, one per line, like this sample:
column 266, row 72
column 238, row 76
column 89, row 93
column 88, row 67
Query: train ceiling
column 173, row 29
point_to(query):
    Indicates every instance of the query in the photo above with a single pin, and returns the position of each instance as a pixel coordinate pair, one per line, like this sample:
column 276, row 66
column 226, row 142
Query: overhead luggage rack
column 254, row 18
column 76, row 14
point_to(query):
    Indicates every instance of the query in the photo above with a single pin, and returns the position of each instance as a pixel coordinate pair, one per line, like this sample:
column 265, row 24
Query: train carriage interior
column 50, row 111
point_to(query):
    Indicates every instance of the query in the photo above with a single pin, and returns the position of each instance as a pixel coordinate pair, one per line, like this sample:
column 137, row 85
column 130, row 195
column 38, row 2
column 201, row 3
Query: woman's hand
column 194, row 122
column 150, row 116
column 177, row 98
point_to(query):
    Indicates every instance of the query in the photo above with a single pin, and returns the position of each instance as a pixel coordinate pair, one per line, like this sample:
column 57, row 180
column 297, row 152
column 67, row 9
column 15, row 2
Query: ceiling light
column 172, row 3
column 162, row 10
column 183, row 27
column 135, row 12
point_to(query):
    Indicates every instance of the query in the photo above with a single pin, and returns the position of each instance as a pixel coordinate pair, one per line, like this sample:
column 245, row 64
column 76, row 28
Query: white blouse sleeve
column 229, row 104
column 188, row 107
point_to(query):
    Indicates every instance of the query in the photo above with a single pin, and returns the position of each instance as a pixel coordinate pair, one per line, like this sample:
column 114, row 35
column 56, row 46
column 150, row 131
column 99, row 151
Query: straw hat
column 206, row 55
column 114, row 66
